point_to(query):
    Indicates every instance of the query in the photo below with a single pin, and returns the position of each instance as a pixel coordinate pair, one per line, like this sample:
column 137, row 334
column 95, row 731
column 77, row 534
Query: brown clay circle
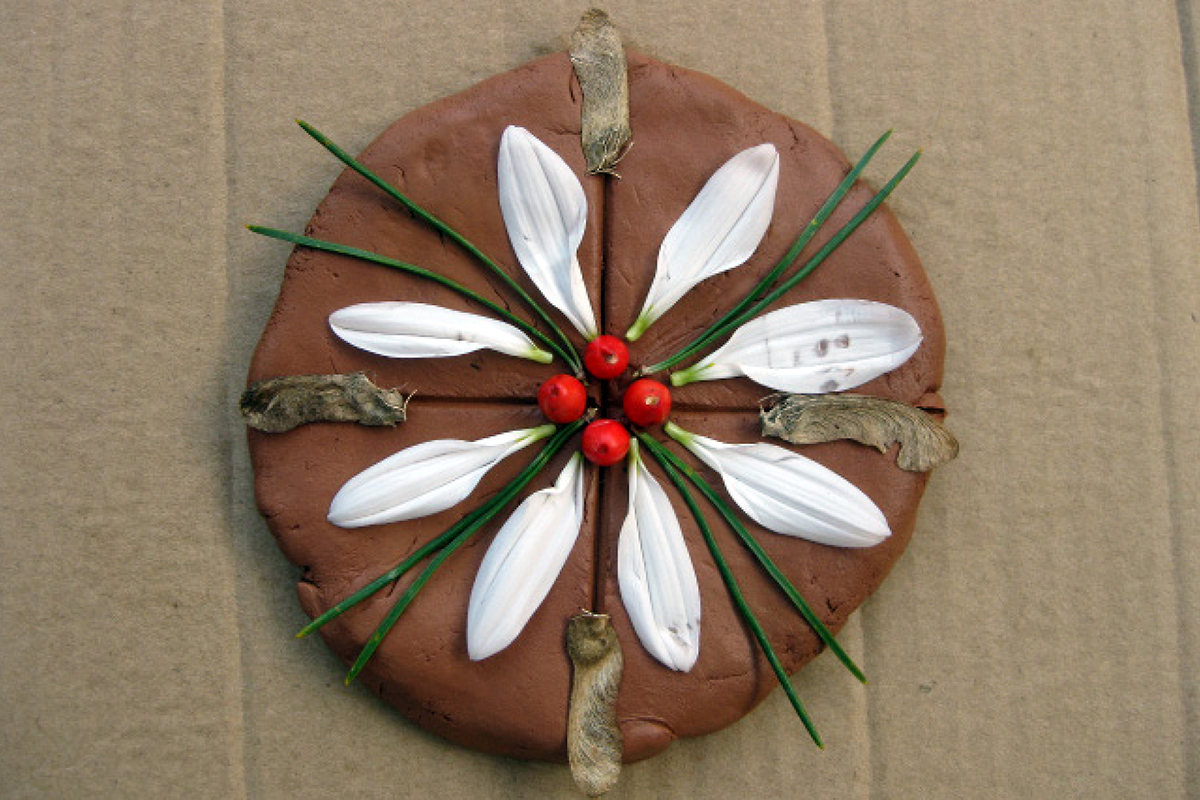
column 685, row 126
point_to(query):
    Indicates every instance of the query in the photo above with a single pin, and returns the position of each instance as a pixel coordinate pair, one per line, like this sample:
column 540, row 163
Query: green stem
column 401, row 569
column 463, row 531
column 390, row 620
column 386, row 578
column 764, row 560
column 736, row 593
column 445, row 229
column 810, row 230
column 814, row 262
column 503, row 496
column 376, row 258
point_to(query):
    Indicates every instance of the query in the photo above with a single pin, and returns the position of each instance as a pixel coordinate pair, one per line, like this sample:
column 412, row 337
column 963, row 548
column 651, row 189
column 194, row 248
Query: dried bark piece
column 276, row 405
column 811, row 418
column 593, row 738
column 599, row 61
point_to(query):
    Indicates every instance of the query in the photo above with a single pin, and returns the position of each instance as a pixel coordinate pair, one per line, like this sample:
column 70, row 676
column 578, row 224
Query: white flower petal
column 419, row 330
column 523, row 562
column 720, row 230
column 655, row 573
column 545, row 212
column 424, row 479
column 790, row 494
column 822, row 346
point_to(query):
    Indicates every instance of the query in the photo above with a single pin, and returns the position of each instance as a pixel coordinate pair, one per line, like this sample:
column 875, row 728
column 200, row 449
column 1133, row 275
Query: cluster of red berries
column 646, row 402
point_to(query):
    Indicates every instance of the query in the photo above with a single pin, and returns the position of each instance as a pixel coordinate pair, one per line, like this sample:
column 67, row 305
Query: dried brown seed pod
column 599, row 61
column 593, row 738
column 811, row 418
column 276, row 405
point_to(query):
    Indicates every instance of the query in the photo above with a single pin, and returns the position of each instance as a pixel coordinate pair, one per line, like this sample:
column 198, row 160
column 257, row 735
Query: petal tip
column 764, row 151
column 478, row 648
column 512, row 130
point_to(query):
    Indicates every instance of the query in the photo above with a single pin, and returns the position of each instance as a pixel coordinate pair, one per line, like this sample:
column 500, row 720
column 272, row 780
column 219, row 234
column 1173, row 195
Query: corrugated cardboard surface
column 1040, row 637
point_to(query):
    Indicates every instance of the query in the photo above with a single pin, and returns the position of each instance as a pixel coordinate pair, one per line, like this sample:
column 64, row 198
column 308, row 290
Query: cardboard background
column 1040, row 637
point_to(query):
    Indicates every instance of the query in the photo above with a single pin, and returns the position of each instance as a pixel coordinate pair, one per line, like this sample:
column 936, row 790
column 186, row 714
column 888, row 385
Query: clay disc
column 685, row 125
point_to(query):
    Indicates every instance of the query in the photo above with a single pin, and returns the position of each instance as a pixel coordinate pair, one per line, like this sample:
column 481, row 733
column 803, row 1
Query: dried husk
column 276, row 405
column 599, row 61
column 593, row 738
column 811, row 418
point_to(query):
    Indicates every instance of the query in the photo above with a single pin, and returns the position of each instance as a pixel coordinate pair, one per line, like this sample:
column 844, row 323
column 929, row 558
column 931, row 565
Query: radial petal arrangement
column 545, row 213
column 821, row 346
column 523, row 562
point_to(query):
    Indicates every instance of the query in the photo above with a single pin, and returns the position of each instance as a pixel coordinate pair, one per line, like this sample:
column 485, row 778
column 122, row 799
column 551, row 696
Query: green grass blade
column 809, row 266
column 383, row 580
column 764, row 560
column 412, row 269
column 810, row 230
column 465, row 532
column 735, row 591
column 500, row 498
column 354, row 164
column 409, row 595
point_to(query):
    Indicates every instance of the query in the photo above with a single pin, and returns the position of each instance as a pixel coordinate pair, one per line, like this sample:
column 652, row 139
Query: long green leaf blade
column 354, row 164
column 806, row 235
column 464, row 532
column 764, row 560
column 385, row 261
column 739, row 600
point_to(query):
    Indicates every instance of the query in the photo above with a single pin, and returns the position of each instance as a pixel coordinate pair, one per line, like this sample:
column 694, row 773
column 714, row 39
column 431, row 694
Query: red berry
column 606, row 357
column 605, row 442
column 646, row 402
column 562, row 399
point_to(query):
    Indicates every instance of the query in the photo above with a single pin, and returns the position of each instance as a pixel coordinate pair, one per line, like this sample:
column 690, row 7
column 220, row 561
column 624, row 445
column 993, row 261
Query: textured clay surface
column 685, row 125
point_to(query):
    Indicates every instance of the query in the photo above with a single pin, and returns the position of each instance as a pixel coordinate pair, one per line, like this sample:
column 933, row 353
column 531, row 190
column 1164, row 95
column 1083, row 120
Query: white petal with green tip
column 655, row 573
column 424, row 479
column 822, row 346
column 419, row 330
column 523, row 562
column 790, row 494
column 720, row 230
column 545, row 213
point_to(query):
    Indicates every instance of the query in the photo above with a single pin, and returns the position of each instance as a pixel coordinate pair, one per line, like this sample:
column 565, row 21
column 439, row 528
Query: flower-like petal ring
column 820, row 346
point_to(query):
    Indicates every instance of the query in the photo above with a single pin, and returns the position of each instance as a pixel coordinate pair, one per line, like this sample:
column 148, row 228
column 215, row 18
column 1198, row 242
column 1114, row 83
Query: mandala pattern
column 618, row 543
